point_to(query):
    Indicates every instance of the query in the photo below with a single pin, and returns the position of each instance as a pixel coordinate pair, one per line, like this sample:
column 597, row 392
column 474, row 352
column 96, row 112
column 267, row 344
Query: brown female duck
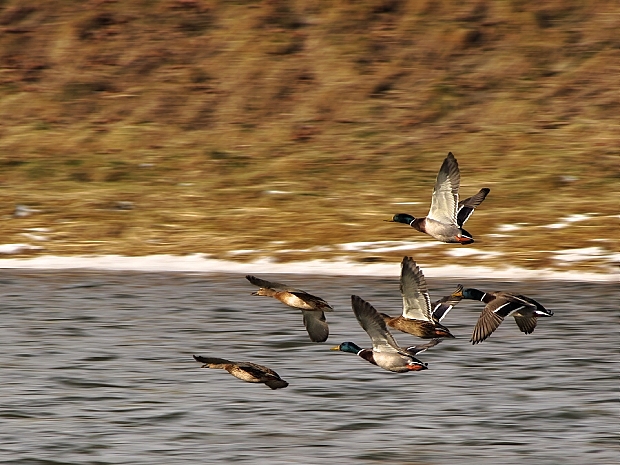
column 311, row 306
column 419, row 317
column 246, row 371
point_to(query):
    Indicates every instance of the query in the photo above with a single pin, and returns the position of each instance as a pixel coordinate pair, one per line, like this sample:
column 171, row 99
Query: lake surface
column 97, row 368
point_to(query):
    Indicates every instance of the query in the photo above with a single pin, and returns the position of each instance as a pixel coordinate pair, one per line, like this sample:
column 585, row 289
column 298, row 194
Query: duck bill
column 335, row 348
column 458, row 292
column 389, row 221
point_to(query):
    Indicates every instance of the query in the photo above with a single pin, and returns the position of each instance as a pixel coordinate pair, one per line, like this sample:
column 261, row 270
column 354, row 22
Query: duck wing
column 495, row 312
column 312, row 301
column 261, row 374
column 213, row 362
column 372, row 322
column 256, row 370
column 314, row 321
column 539, row 309
column 446, row 192
column 525, row 322
column 413, row 288
column 445, row 304
column 466, row 207
column 276, row 383
column 272, row 285
column 414, row 350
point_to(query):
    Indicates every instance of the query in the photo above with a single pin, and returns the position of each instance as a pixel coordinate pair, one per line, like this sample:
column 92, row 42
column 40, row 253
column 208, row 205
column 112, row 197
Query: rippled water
column 97, row 368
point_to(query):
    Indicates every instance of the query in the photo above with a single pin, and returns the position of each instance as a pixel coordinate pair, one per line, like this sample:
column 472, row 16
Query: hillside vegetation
column 183, row 126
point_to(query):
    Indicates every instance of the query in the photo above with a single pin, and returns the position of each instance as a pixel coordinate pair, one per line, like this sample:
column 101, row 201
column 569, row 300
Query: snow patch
column 201, row 263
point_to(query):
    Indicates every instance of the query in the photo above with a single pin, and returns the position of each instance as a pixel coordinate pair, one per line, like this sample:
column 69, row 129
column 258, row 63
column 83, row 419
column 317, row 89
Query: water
column 97, row 368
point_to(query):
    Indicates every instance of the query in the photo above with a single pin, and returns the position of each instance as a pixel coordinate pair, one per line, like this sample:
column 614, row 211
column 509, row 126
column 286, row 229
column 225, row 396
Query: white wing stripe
column 498, row 309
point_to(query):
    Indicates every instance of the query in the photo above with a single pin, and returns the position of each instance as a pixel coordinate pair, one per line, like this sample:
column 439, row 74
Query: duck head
column 351, row 347
column 265, row 291
column 404, row 218
column 472, row 294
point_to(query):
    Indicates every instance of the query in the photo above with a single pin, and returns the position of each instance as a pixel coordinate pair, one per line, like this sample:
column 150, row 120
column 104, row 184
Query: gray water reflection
column 97, row 368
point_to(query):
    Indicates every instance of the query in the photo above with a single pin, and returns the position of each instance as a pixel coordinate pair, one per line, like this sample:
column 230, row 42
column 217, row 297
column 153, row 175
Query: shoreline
column 201, row 263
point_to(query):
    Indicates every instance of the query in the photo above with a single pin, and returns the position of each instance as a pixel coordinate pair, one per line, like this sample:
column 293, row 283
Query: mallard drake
column 385, row 352
column 367, row 354
column 311, row 306
column 419, row 317
column 499, row 305
column 447, row 215
column 246, row 371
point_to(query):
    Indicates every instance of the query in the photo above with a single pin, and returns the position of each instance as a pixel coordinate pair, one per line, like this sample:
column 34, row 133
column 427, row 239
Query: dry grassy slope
column 195, row 110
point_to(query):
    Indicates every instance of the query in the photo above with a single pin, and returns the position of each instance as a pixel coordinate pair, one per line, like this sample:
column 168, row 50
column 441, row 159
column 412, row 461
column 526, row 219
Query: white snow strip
column 385, row 246
column 576, row 217
column 508, row 227
column 276, row 192
column 586, row 253
column 242, row 252
column 200, row 263
column 10, row 249
column 316, row 248
column 35, row 237
column 564, row 222
column 472, row 252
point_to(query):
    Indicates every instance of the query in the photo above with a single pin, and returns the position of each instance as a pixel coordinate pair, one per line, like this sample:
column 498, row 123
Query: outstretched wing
column 540, row 310
column 494, row 313
column 314, row 321
column 526, row 323
column 446, row 192
column 413, row 350
column 263, row 374
column 257, row 371
column 271, row 285
column 312, row 301
column 413, row 288
column 466, row 207
column 276, row 383
column 213, row 362
column 445, row 304
column 373, row 324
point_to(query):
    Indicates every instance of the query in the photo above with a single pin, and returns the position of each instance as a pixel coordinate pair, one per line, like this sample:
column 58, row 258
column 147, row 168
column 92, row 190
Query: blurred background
column 291, row 129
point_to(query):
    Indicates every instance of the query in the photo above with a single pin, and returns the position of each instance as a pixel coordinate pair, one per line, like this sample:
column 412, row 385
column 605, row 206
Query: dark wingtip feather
column 276, row 384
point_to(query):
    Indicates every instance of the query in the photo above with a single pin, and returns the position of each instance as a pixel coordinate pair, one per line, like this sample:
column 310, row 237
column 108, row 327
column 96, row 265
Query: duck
column 385, row 352
column 447, row 215
column 367, row 354
column 311, row 306
column 419, row 317
column 499, row 305
column 246, row 371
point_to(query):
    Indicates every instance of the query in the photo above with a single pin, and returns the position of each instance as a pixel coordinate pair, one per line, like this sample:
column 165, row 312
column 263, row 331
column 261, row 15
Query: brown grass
column 194, row 111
